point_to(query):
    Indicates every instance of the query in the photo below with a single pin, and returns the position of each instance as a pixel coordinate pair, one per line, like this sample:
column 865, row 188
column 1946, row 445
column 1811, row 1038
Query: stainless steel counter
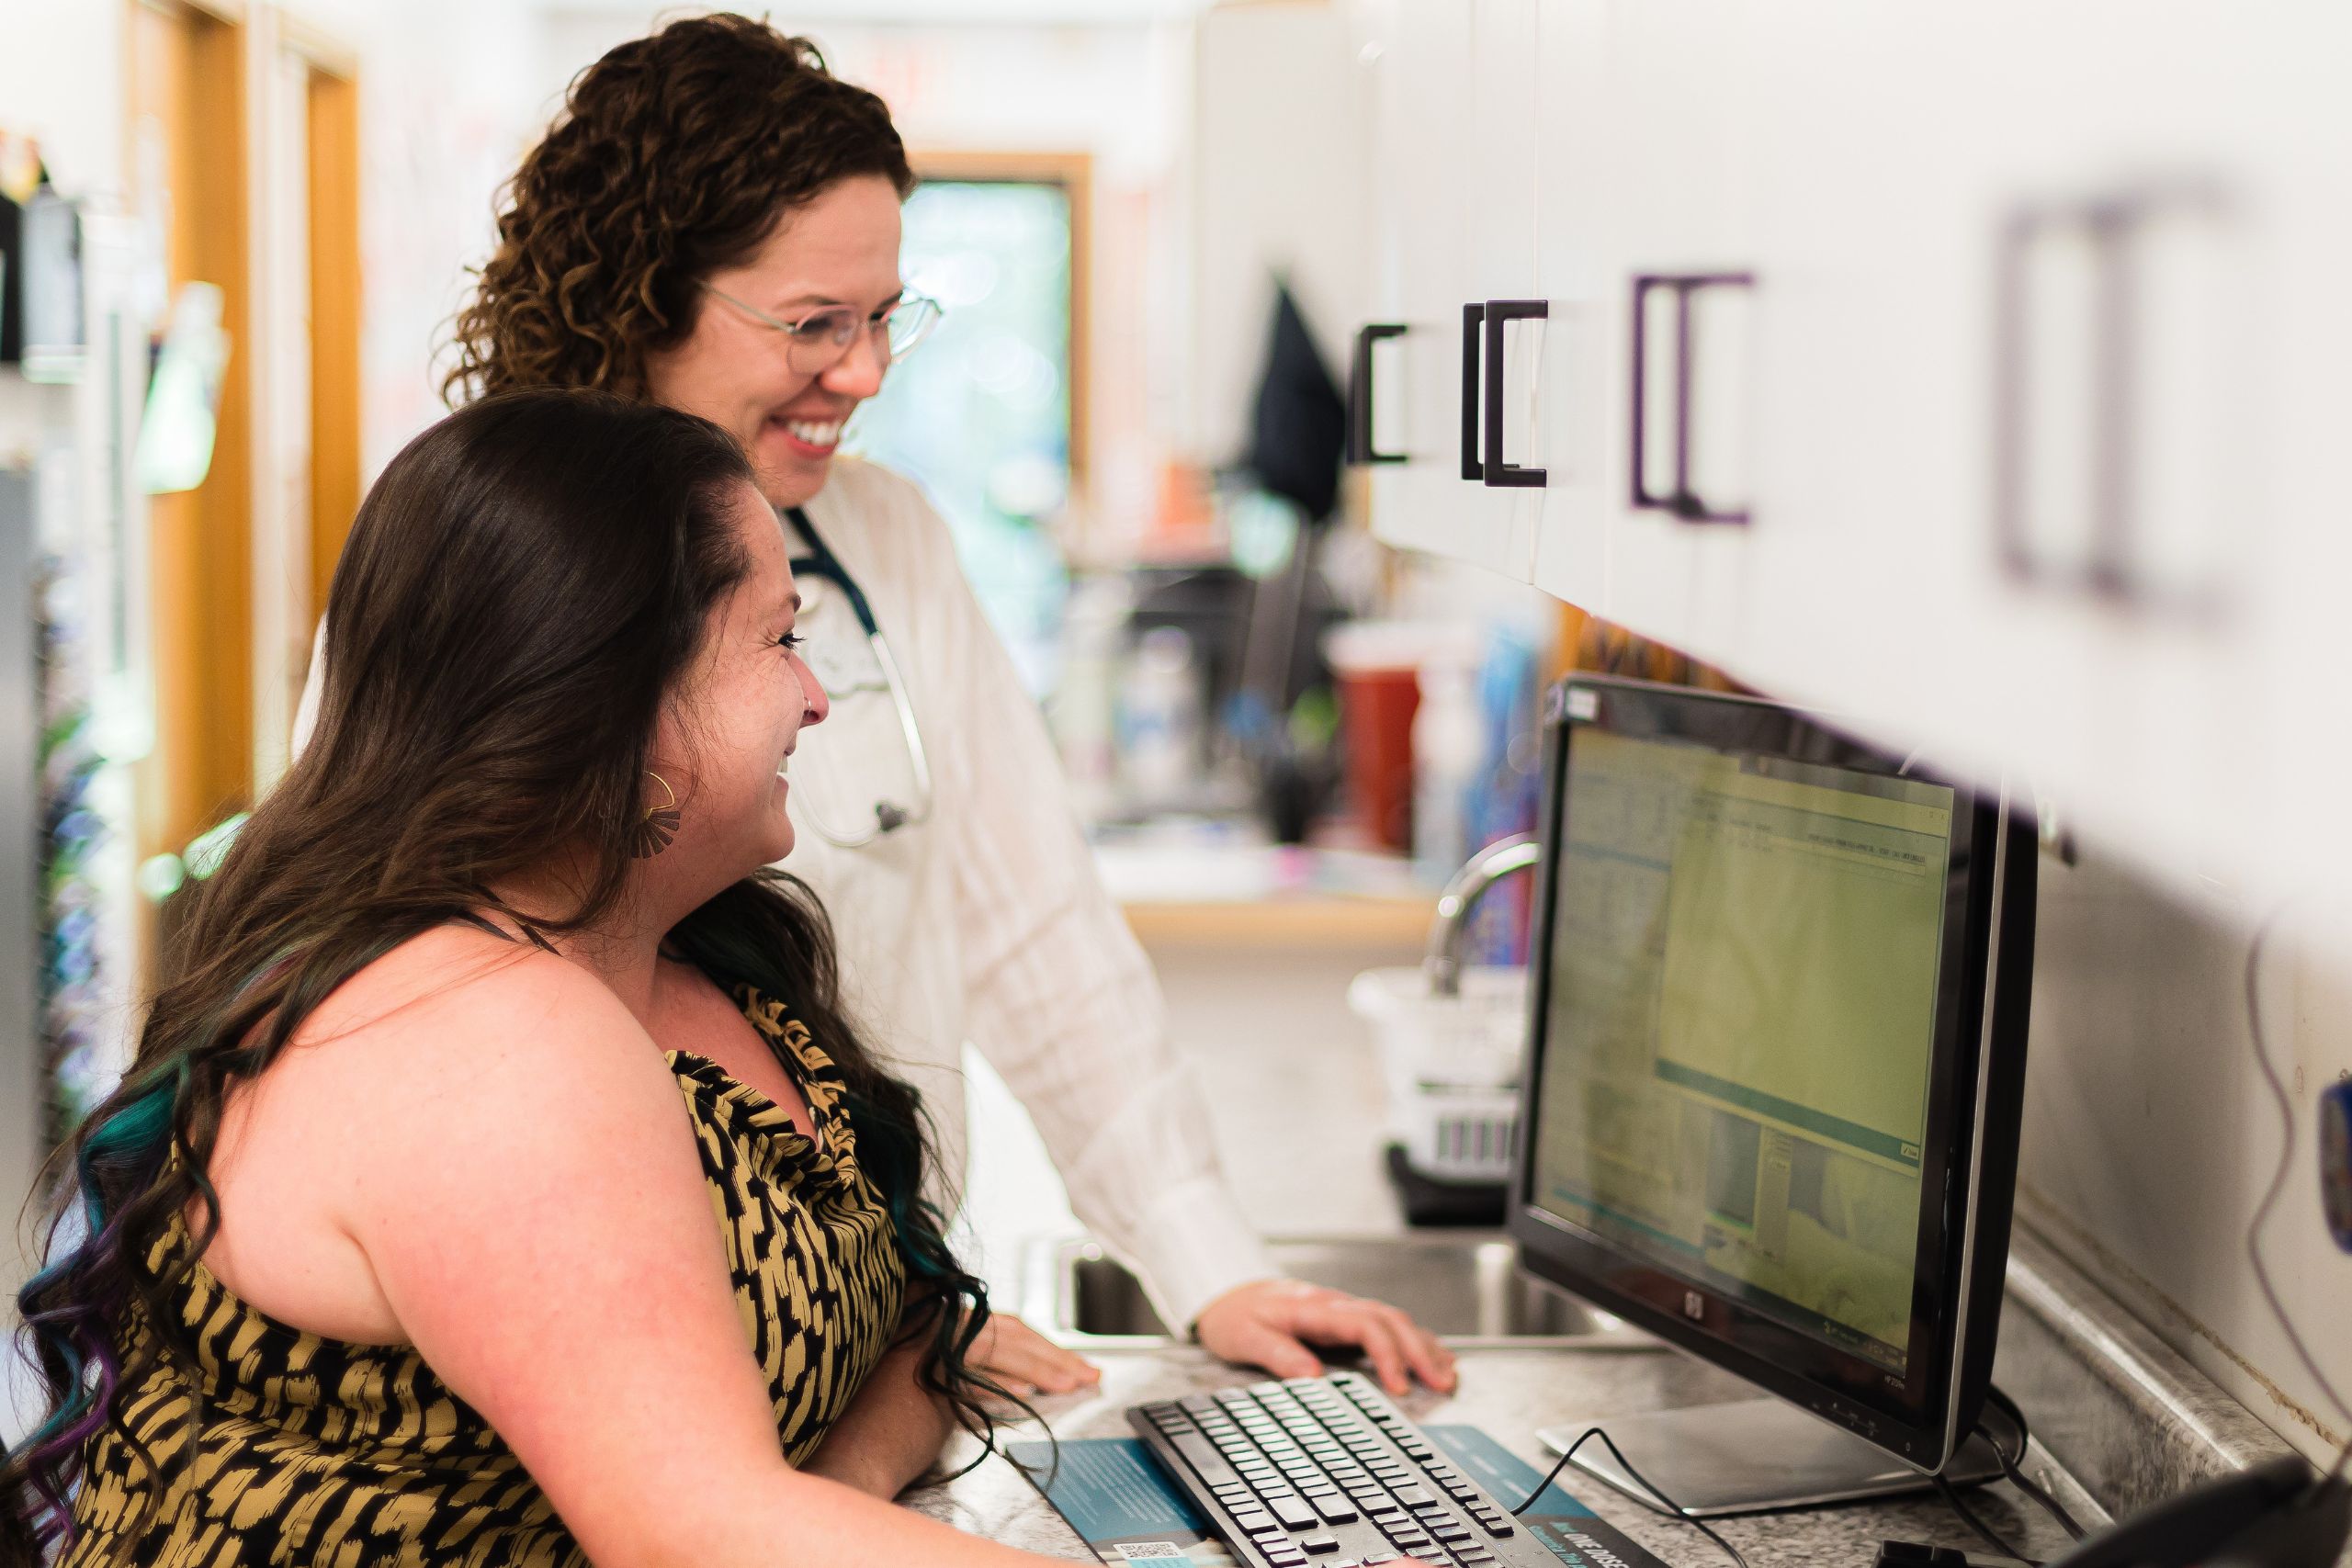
column 1511, row 1392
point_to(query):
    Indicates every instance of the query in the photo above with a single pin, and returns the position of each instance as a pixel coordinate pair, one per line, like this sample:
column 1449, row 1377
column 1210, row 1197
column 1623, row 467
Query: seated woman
column 498, row 1181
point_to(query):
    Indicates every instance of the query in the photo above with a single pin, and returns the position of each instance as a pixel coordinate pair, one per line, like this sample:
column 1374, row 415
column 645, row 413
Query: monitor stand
column 1753, row 1455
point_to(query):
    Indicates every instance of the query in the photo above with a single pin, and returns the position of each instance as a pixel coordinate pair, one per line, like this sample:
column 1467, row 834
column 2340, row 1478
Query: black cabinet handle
column 1500, row 475
column 1680, row 499
column 2112, row 227
column 1472, row 315
column 1360, row 446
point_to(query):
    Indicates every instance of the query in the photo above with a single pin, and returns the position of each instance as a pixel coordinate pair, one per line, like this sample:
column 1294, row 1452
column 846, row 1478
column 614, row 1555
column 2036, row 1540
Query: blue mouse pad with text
column 1113, row 1495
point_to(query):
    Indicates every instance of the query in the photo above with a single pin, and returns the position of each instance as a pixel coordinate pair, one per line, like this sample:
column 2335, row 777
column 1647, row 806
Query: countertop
column 1212, row 884
column 1511, row 1392
column 1294, row 1088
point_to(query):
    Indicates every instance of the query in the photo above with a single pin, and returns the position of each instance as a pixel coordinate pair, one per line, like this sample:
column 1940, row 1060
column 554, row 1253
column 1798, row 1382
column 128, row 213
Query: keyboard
column 1326, row 1471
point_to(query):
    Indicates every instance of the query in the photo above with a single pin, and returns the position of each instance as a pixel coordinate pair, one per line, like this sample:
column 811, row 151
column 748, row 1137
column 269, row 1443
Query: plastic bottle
column 1084, row 711
column 1449, row 748
column 1159, row 722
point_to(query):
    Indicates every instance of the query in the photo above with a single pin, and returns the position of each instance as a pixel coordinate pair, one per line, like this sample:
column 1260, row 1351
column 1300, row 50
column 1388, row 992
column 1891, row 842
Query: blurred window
column 985, row 417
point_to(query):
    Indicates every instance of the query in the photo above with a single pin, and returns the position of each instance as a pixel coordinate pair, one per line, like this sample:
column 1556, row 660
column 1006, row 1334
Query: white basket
column 1450, row 1066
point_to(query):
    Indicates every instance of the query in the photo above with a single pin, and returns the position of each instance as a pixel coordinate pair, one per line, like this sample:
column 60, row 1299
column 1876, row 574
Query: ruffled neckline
column 766, row 1127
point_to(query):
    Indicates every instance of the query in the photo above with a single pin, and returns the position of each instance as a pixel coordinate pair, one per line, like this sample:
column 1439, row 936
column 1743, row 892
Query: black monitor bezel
column 1954, row 1303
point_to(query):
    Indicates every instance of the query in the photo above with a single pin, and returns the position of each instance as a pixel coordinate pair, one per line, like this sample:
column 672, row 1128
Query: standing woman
column 713, row 224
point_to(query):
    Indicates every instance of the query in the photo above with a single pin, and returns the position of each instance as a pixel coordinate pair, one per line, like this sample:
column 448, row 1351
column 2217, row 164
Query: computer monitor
column 1777, row 1053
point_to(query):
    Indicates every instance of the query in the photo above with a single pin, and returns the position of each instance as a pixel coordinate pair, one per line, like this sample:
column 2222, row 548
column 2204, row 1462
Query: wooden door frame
column 333, row 109
column 201, row 597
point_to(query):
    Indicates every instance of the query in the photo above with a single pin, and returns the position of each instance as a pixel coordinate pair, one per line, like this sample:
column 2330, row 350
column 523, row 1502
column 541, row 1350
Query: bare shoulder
column 456, row 1031
column 431, row 1091
column 460, row 989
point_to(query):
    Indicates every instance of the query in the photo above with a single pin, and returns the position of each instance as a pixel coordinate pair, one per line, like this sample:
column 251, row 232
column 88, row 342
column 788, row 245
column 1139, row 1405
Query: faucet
column 1443, row 963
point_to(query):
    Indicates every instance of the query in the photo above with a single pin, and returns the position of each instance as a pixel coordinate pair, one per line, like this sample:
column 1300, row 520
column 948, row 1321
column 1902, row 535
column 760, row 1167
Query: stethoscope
column 888, row 816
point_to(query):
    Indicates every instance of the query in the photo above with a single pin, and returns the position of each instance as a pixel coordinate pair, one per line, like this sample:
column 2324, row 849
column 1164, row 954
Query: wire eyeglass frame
column 822, row 339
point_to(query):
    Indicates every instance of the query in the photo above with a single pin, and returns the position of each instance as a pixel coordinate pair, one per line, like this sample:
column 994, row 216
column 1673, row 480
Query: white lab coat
column 987, row 922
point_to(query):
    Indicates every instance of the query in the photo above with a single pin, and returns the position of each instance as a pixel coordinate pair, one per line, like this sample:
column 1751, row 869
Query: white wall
column 449, row 101
column 2150, row 1137
column 76, row 112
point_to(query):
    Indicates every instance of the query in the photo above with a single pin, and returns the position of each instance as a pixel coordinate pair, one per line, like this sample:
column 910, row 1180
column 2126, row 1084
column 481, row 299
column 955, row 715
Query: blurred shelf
column 1213, row 883
column 1286, row 921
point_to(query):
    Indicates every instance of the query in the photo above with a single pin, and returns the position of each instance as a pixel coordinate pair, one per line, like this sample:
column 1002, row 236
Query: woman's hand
column 1274, row 1323
column 1026, row 1361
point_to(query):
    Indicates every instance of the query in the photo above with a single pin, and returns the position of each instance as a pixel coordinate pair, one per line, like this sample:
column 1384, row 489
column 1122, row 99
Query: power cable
column 2278, row 1087
column 1665, row 1504
column 1991, row 1537
column 2013, row 1466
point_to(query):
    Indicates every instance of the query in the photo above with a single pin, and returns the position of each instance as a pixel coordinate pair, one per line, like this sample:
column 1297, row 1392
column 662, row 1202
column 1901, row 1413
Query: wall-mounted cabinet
column 1457, row 87
column 1972, row 372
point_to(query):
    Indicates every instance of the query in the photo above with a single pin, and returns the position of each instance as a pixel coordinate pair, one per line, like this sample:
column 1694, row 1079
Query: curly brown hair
column 675, row 155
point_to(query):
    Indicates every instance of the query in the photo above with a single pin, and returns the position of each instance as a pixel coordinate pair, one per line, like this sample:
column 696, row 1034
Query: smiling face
column 727, row 731
column 841, row 248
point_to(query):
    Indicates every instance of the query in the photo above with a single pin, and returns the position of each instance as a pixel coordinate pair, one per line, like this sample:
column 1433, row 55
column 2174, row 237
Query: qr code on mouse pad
column 1133, row 1549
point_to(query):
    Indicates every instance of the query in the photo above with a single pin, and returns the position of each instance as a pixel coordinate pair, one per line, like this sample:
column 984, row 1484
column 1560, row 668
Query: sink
column 1462, row 1285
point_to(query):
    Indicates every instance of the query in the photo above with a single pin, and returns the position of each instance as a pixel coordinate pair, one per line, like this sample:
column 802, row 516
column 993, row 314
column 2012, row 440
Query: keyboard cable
column 1670, row 1508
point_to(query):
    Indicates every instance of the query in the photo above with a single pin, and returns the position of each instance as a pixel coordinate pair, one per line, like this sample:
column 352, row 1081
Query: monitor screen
column 1778, row 1009
column 1741, row 1026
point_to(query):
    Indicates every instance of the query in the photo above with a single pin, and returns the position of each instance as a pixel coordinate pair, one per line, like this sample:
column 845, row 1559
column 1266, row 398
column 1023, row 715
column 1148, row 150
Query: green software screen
column 1735, row 1080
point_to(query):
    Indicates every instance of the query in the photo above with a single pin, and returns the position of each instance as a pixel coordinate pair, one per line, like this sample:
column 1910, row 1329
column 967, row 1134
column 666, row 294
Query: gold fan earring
column 660, row 826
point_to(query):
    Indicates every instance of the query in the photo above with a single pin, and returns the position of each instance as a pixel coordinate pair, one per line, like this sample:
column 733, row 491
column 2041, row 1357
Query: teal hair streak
column 68, row 1327
column 130, row 1140
column 74, row 1308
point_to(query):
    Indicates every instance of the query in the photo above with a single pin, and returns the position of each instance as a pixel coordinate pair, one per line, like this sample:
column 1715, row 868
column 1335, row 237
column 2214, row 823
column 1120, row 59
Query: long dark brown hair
column 675, row 155
column 522, row 588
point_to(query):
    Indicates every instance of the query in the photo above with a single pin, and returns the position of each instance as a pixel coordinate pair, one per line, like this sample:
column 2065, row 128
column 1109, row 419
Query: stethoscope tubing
column 888, row 816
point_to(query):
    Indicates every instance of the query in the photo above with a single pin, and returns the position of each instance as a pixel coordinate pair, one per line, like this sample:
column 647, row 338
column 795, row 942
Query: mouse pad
column 1113, row 1495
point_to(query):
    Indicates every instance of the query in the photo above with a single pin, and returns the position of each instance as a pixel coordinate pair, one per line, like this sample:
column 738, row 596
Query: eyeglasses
column 816, row 342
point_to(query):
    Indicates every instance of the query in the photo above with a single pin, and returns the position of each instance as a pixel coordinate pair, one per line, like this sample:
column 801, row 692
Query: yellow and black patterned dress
column 316, row 1452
